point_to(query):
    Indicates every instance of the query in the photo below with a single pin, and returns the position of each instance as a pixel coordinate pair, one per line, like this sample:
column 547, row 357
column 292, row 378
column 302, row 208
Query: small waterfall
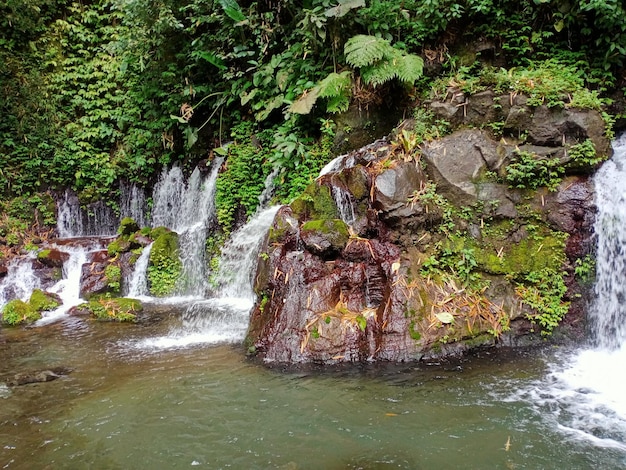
column 235, row 277
column 138, row 285
column 225, row 318
column 188, row 209
column 133, row 203
column 345, row 204
column 19, row 282
column 74, row 221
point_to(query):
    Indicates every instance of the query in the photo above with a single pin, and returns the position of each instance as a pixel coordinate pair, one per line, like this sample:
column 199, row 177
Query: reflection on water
column 123, row 407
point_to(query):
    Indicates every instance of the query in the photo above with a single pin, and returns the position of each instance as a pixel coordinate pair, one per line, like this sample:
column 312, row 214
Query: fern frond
column 379, row 73
column 362, row 50
column 338, row 104
column 409, row 68
column 335, row 84
column 304, row 104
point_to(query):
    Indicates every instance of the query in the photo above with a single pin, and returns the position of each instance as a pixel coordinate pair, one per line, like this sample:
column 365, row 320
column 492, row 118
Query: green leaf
column 178, row 118
column 232, row 9
column 335, row 84
column 304, row 104
column 445, row 317
column 192, row 136
column 362, row 50
column 409, row 68
column 343, row 7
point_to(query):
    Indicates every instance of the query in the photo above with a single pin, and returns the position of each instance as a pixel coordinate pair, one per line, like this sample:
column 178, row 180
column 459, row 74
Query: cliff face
column 402, row 251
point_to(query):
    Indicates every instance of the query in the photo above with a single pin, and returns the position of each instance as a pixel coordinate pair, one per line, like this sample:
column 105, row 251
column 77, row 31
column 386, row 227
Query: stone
column 324, row 237
column 52, row 258
column 393, row 188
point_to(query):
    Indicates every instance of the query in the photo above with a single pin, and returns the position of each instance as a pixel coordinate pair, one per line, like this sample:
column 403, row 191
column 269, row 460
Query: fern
column 362, row 50
column 336, row 87
column 409, row 68
column 379, row 73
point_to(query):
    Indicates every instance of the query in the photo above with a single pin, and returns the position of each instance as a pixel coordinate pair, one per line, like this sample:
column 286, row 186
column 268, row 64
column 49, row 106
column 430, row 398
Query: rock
column 457, row 162
column 93, row 279
column 3, row 270
column 47, row 375
column 53, row 258
column 325, row 237
column 393, row 188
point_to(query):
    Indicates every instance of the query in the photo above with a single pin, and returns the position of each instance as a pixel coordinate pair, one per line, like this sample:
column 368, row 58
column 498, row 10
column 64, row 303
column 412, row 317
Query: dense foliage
column 94, row 91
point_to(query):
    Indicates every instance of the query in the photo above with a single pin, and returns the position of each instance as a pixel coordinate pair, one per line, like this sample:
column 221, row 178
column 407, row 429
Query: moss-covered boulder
column 164, row 267
column 315, row 203
column 52, row 258
column 127, row 227
column 325, row 237
column 110, row 309
column 18, row 312
column 42, row 301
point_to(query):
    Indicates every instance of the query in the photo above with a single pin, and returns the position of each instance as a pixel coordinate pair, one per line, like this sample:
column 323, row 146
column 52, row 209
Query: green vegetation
column 528, row 171
column 544, row 291
column 164, row 267
column 17, row 312
column 112, row 309
column 92, row 92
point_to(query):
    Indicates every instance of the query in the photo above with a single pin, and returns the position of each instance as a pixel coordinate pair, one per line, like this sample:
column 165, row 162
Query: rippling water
column 208, row 406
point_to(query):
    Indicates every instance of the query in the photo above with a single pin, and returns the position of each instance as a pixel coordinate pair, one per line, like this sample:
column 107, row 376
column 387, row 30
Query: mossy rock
column 157, row 232
column 325, row 237
column 118, row 246
column 502, row 252
column 18, row 312
column 164, row 266
column 316, row 202
column 127, row 227
column 42, row 301
column 114, row 309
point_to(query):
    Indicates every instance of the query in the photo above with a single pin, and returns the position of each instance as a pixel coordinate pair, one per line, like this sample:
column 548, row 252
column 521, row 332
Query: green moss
column 116, row 309
column 117, row 246
column 127, row 227
column 335, row 231
column 43, row 254
column 17, row 312
column 413, row 331
column 315, row 203
column 164, row 267
column 41, row 301
column 541, row 248
column 158, row 231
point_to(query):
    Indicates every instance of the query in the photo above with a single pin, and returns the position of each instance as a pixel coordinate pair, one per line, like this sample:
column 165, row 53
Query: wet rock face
column 333, row 290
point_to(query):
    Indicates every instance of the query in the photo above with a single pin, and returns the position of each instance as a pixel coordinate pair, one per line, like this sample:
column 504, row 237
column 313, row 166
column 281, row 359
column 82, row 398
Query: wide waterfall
column 188, row 209
column 19, row 281
column 97, row 219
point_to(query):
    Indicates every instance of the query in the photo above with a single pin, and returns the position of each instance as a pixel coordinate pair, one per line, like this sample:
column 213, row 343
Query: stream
column 128, row 407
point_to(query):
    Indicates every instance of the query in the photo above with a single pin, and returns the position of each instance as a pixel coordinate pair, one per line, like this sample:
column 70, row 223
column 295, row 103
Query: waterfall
column 239, row 258
column 20, row 280
column 345, row 205
column 97, row 219
column 188, row 210
column 133, row 203
column 585, row 393
column 68, row 288
column 138, row 284
column 608, row 313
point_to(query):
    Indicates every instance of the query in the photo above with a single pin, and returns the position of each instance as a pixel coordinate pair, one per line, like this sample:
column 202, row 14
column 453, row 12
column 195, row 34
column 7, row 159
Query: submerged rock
column 46, row 375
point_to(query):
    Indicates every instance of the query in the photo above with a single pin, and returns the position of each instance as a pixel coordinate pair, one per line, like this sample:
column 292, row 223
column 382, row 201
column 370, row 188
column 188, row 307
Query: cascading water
column 68, row 288
column 138, row 284
column 187, row 209
column 133, row 203
column 74, row 221
column 585, row 394
column 20, row 280
column 343, row 200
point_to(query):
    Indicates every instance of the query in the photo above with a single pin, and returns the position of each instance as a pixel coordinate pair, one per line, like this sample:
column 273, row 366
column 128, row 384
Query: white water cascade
column 20, row 280
column 187, row 209
column 133, row 203
column 138, row 284
column 68, row 288
column 585, row 394
column 74, row 221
